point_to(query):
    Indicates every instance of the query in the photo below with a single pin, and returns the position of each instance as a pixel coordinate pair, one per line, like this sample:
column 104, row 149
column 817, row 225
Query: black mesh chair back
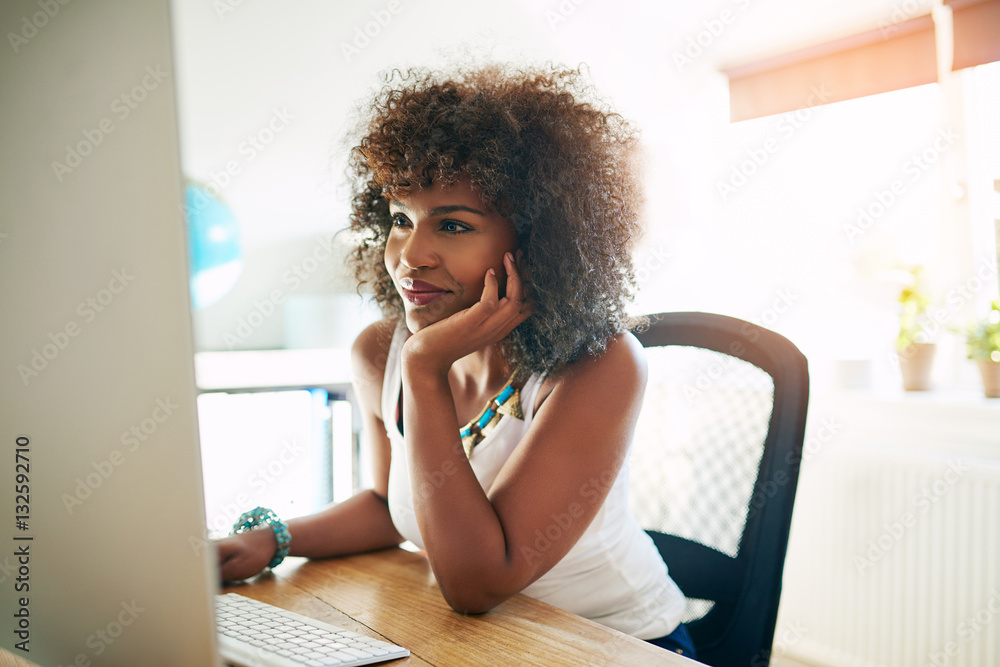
column 713, row 472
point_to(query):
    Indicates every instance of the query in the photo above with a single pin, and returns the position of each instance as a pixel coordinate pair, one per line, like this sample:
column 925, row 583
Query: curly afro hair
column 536, row 146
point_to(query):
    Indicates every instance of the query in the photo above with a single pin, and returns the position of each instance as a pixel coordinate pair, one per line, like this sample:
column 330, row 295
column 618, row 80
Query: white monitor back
column 102, row 551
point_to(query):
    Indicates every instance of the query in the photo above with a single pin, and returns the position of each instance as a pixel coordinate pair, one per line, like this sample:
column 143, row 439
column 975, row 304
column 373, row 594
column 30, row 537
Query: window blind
column 895, row 55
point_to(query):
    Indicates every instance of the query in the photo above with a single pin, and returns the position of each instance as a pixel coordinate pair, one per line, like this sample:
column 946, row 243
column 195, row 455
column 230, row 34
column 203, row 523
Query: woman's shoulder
column 621, row 367
column 374, row 340
column 370, row 355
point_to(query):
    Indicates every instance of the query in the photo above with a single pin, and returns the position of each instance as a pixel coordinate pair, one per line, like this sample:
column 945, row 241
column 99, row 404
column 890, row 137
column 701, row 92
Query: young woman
column 495, row 212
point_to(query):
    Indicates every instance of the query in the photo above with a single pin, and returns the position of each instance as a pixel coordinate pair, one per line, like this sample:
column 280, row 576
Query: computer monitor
column 103, row 557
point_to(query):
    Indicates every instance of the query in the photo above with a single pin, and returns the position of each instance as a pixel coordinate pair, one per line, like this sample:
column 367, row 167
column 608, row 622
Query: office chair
column 713, row 472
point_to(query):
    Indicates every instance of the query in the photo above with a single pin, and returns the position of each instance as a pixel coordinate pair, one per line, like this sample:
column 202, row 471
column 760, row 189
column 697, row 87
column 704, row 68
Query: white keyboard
column 257, row 634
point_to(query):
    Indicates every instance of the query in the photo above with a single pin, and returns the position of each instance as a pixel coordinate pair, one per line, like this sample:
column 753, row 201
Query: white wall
column 777, row 240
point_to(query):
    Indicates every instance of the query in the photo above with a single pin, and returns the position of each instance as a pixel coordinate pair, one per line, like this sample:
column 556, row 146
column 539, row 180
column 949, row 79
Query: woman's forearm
column 360, row 523
column 461, row 531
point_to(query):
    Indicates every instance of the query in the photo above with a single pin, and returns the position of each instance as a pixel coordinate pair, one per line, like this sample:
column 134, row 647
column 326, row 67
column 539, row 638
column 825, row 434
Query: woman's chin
column 422, row 316
column 418, row 319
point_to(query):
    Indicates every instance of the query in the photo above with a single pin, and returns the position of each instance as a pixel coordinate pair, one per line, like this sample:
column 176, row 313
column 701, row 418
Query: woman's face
column 442, row 242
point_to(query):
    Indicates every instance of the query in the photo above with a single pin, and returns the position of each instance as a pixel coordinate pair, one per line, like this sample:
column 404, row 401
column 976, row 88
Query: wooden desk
column 392, row 595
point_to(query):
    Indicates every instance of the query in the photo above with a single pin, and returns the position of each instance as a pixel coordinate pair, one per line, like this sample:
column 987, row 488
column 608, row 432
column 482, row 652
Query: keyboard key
column 253, row 632
column 358, row 653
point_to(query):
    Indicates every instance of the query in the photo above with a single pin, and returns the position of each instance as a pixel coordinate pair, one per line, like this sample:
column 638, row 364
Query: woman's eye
column 399, row 220
column 453, row 227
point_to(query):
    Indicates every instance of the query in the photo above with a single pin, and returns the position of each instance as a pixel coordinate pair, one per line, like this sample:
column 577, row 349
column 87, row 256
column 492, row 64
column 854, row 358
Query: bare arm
column 360, row 523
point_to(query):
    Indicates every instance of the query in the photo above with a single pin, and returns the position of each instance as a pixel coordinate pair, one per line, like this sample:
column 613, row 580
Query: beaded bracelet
column 260, row 516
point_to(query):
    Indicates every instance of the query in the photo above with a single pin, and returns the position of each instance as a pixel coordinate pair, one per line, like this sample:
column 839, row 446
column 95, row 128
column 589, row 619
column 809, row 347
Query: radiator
column 893, row 561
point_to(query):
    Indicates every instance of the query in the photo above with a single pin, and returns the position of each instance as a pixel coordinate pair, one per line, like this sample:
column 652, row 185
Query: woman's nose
column 418, row 250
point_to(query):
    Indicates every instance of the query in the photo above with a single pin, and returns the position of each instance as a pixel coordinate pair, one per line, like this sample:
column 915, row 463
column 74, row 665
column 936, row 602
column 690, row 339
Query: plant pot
column 990, row 371
column 915, row 363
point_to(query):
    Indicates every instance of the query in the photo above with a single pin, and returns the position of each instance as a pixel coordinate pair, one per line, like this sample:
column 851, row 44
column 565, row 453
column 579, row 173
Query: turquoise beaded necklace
column 506, row 402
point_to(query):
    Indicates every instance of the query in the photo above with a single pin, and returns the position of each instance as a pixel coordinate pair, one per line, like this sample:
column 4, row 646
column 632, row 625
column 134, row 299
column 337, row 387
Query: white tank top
column 613, row 575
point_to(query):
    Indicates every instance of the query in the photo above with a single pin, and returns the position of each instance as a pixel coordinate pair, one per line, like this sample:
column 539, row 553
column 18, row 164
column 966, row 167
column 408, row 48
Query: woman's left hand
column 486, row 322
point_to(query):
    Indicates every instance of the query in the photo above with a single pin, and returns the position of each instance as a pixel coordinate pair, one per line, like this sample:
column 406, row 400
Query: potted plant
column 914, row 350
column 983, row 345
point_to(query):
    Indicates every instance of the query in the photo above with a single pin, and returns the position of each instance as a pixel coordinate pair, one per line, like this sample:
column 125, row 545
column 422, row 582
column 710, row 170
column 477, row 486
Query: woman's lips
column 420, row 293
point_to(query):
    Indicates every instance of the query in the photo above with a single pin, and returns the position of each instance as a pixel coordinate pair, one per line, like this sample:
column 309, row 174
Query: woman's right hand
column 246, row 554
column 486, row 322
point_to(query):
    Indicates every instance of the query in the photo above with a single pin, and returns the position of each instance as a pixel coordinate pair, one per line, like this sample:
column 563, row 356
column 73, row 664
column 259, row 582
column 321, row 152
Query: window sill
column 960, row 421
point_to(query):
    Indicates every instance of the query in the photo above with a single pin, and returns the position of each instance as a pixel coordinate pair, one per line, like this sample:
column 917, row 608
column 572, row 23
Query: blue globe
column 213, row 245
